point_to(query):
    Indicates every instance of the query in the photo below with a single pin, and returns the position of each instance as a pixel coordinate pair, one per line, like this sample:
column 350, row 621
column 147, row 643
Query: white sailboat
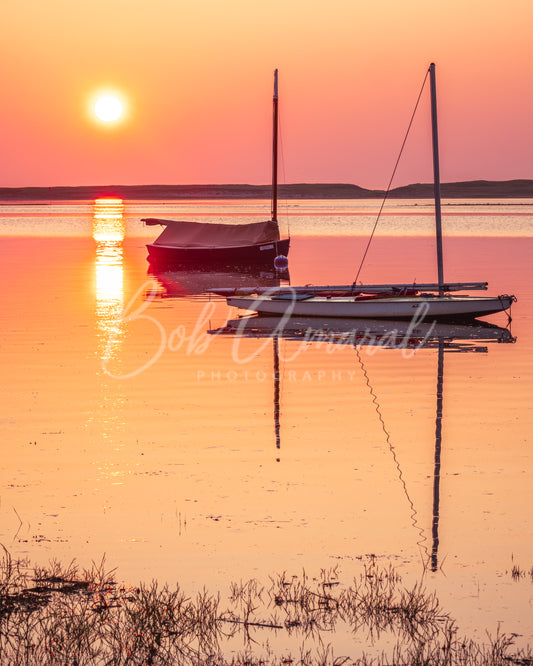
column 393, row 301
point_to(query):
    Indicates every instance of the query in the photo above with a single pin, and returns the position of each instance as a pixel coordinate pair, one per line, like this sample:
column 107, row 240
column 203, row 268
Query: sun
column 108, row 108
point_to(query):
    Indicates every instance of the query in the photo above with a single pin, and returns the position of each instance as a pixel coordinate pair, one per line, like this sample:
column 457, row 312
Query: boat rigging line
column 390, row 181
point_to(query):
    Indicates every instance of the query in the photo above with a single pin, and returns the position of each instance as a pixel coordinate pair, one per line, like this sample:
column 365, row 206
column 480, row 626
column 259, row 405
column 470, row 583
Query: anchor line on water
column 413, row 515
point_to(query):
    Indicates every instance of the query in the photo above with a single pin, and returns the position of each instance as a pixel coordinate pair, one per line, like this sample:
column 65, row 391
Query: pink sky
column 196, row 81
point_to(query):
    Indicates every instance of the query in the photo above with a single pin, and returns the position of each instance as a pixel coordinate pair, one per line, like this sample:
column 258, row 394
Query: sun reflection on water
column 108, row 221
column 108, row 231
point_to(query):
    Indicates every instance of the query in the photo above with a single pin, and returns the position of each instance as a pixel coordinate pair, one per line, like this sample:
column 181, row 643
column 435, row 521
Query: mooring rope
column 390, row 181
column 413, row 516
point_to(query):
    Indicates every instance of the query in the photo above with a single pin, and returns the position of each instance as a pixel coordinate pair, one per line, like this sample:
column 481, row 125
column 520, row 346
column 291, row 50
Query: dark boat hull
column 262, row 254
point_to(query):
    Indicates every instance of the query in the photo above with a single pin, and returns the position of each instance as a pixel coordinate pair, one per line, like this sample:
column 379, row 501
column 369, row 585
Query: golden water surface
column 130, row 430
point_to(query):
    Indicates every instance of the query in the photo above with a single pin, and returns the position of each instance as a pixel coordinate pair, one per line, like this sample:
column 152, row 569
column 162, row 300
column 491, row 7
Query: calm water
column 130, row 431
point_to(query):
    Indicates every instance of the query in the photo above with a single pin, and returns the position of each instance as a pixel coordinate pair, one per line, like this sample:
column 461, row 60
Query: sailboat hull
column 261, row 254
column 428, row 306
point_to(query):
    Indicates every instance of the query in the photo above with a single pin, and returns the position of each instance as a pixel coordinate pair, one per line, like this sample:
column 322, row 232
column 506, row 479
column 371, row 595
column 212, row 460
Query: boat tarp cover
column 204, row 234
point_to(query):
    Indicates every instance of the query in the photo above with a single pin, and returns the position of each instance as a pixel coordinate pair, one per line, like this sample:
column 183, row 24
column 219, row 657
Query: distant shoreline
column 475, row 189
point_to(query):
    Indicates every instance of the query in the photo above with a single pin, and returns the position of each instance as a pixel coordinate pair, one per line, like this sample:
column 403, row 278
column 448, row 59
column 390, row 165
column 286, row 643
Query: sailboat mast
column 436, row 177
column 275, row 151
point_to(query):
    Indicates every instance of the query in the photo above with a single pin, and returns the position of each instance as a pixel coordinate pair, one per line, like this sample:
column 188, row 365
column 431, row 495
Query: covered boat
column 183, row 242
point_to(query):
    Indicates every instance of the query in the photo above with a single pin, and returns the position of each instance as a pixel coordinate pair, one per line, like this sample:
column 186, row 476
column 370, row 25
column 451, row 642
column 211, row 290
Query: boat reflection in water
column 389, row 334
column 201, row 279
column 472, row 336
column 108, row 231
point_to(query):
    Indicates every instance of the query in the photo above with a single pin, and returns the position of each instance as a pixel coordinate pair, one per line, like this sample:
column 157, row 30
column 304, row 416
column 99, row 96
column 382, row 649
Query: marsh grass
column 67, row 616
column 517, row 573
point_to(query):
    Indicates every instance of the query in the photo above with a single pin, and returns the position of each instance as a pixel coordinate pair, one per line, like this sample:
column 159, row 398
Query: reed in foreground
column 64, row 615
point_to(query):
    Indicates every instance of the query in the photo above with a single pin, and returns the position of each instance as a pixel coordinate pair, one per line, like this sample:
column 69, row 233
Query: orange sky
column 196, row 80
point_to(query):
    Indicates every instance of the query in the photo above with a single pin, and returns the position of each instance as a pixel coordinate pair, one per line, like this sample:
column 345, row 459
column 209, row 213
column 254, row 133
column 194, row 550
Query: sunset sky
column 195, row 83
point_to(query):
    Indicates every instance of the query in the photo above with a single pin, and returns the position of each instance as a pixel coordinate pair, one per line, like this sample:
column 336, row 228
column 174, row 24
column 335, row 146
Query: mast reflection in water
column 465, row 337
